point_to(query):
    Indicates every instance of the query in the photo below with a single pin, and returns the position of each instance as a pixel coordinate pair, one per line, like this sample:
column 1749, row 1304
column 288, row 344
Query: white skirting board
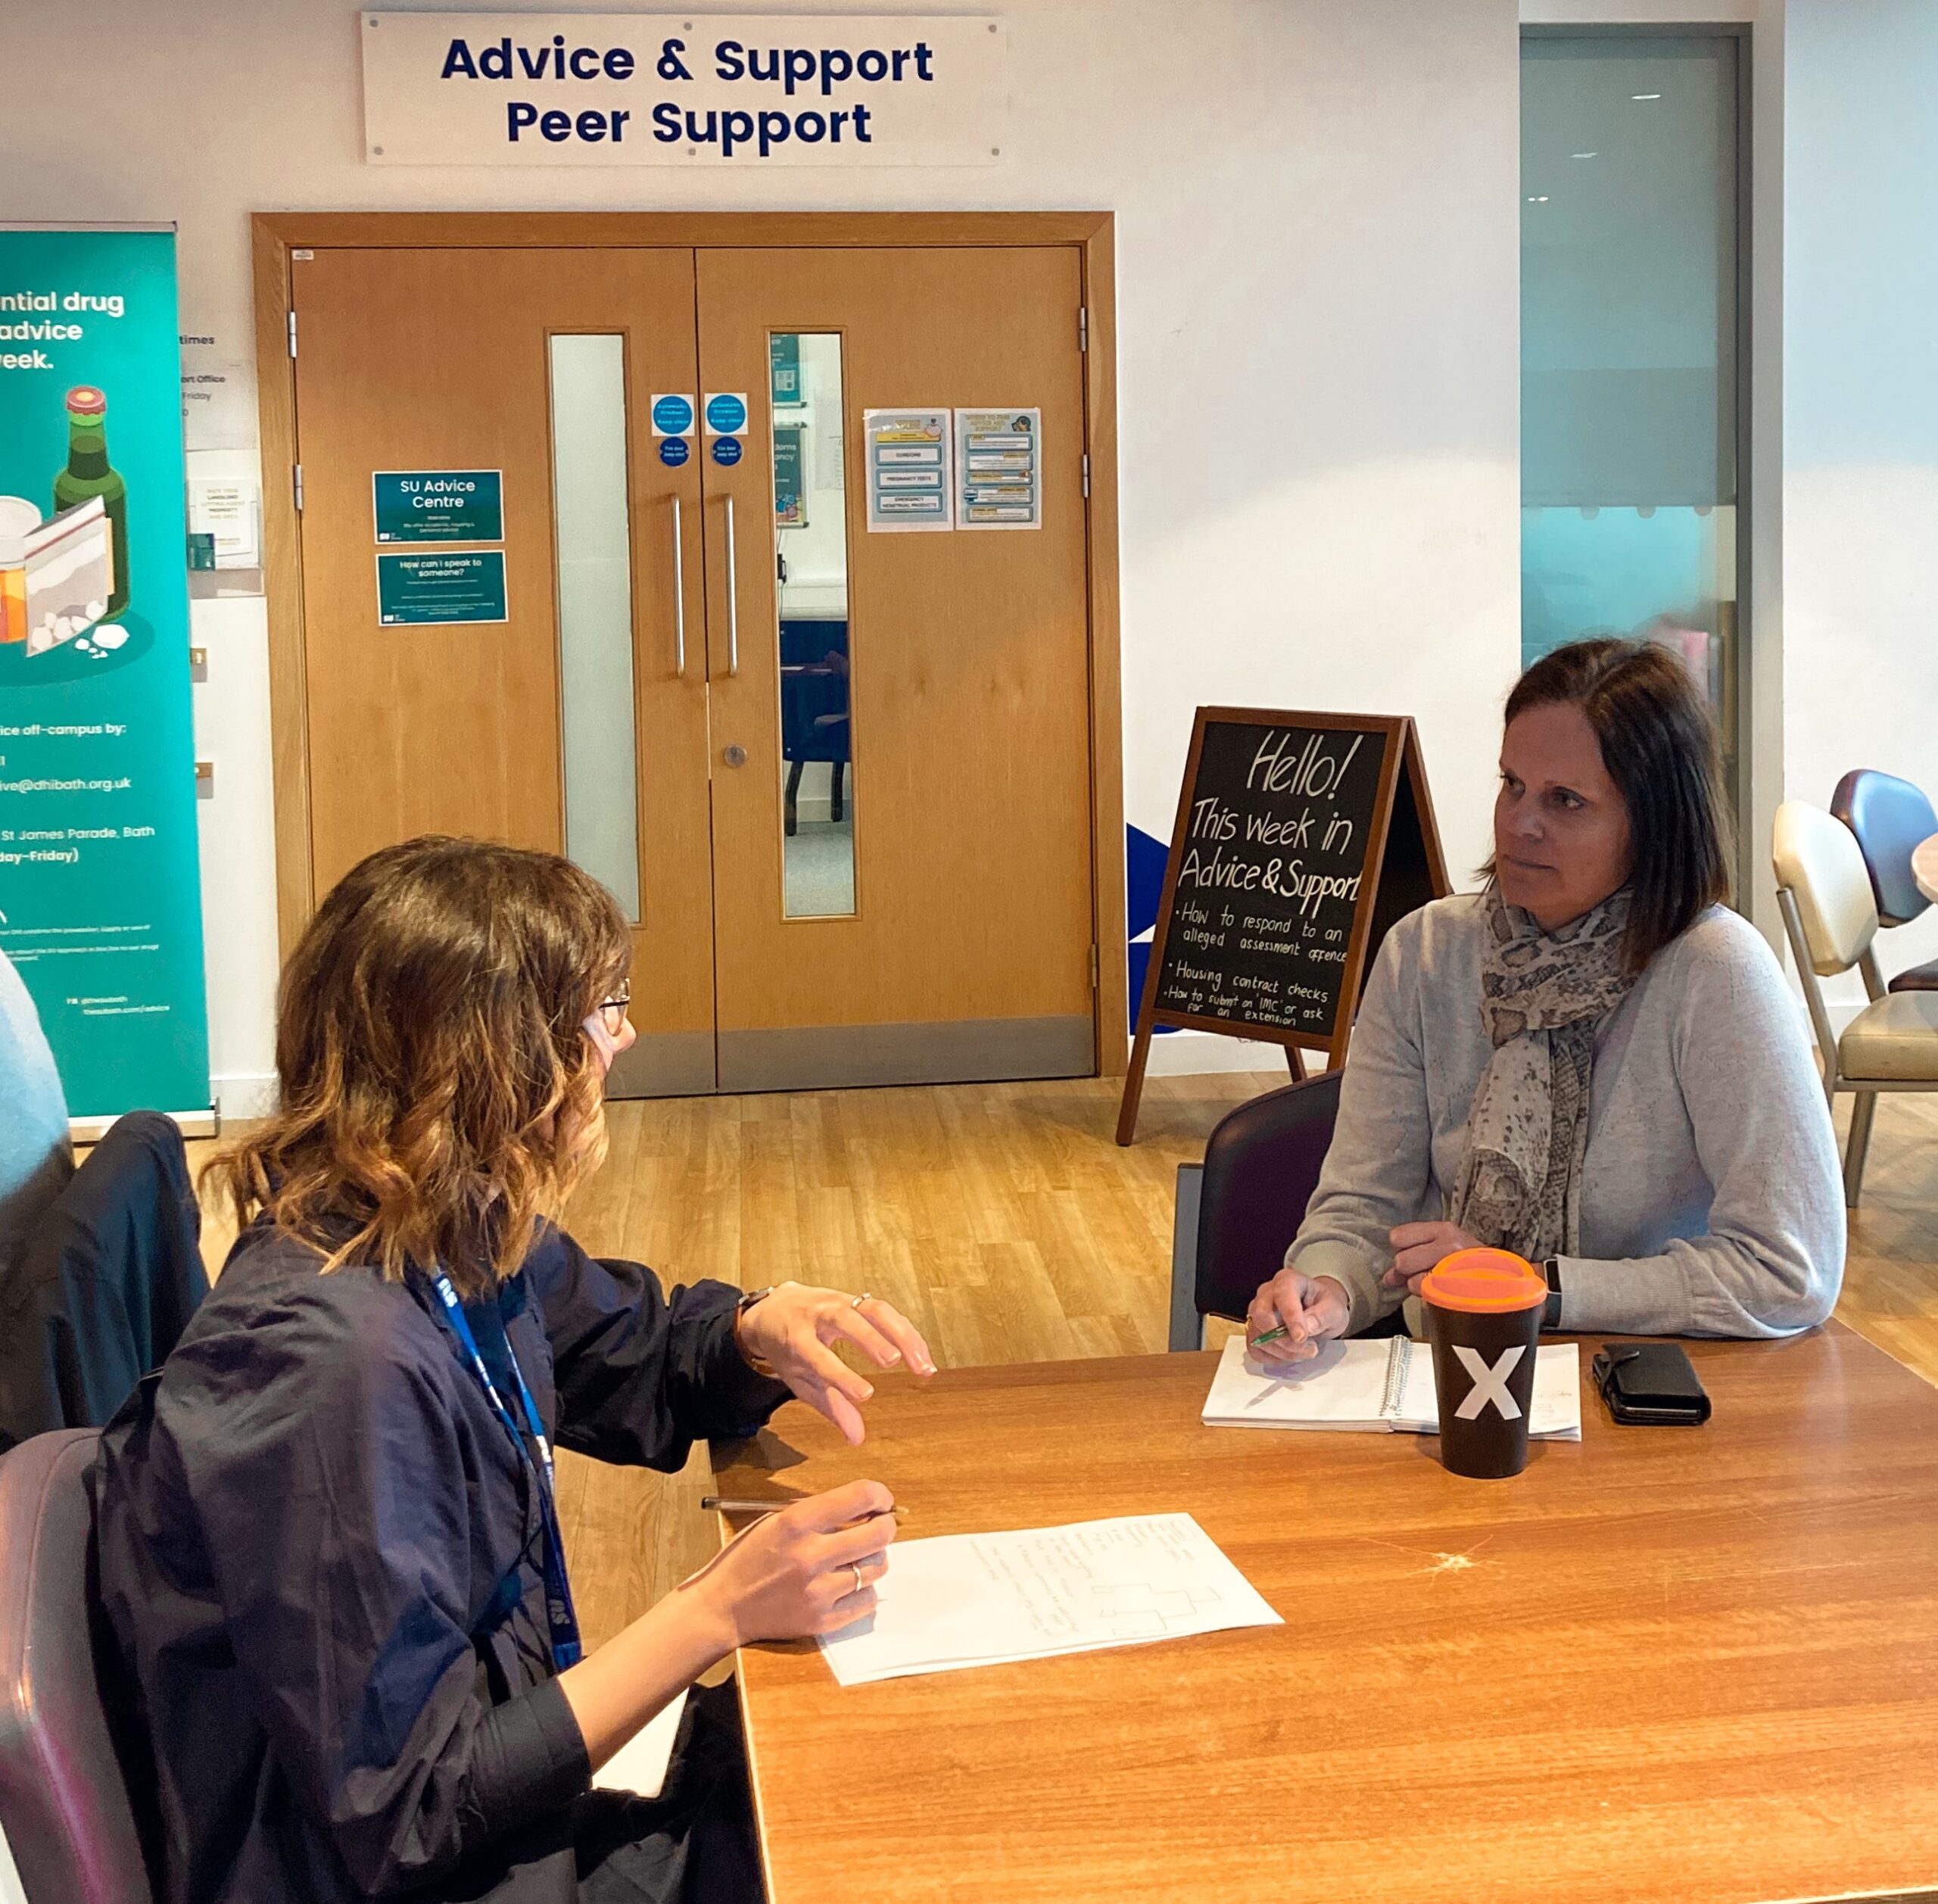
column 193, row 1123
column 1187, row 1054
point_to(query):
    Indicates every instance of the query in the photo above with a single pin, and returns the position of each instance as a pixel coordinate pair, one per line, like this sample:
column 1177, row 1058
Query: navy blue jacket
column 304, row 1521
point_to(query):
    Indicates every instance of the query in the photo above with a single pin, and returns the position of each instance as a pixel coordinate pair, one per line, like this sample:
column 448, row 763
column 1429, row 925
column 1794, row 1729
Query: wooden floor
column 1007, row 1223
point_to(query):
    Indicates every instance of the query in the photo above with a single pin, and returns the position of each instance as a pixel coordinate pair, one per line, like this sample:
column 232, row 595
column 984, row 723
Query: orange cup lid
column 1487, row 1280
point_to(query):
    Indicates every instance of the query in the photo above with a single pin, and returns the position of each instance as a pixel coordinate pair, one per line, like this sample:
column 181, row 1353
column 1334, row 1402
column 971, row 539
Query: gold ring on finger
column 859, row 1300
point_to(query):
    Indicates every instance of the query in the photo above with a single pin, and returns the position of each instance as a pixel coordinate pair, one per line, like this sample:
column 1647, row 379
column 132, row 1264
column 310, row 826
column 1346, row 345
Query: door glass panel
column 811, row 542
column 1629, row 177
column 596, row 610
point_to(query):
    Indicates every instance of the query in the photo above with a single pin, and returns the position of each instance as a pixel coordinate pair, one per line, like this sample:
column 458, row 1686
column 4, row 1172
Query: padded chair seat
column 1918, row 978
column 1896, row 1036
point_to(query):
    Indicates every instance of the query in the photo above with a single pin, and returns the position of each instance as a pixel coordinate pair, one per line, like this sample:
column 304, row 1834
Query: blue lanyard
column 566, row 1650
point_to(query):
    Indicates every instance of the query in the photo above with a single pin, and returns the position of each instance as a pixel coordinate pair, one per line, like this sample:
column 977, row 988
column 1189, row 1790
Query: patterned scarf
column 1542, row 995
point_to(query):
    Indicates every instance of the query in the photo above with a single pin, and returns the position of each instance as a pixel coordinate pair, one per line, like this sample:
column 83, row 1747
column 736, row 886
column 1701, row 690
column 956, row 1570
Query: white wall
column 1317, row 267
column 1860, row 404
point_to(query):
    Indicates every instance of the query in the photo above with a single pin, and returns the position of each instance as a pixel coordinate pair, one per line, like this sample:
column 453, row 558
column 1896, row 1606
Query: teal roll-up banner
column 100, row 889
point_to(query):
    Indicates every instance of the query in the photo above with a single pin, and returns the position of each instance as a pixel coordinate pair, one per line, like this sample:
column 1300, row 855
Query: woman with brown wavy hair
column 329, row 1546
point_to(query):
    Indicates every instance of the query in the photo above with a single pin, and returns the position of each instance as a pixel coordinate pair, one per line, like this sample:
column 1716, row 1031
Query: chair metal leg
column 1863, row 1106
column 1187, row 1325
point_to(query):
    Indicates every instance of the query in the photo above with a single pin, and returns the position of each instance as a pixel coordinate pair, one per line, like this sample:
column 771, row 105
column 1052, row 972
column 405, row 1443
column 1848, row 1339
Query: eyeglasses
column 611, row 1012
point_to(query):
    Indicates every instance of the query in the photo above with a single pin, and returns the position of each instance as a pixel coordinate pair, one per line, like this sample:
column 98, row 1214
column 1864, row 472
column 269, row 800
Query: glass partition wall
column 1632, row 161
column 588, row 372
column 811, row 562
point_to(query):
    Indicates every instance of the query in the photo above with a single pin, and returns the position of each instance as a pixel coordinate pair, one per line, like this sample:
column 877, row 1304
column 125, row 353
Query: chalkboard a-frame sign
column 1300, row 838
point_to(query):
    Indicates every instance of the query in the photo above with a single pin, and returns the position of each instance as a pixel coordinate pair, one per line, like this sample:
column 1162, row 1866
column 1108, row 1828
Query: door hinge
column 1093, row 968
column 1082, row 327
column 298, row 472
column 1086, row 472
column 292, row 333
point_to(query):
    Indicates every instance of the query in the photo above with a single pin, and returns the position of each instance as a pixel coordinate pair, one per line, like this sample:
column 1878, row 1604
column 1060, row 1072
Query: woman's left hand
column 1418, row 1246
column 793, row 1331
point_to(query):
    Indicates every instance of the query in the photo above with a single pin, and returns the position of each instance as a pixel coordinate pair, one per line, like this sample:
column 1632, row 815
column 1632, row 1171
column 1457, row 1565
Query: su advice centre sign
column 749, row 90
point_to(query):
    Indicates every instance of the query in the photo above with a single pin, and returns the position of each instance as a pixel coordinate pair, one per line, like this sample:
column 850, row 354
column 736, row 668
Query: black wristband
column 1551, row 1309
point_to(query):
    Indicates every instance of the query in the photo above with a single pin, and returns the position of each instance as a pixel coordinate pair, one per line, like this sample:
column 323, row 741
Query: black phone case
column 1644, row 1382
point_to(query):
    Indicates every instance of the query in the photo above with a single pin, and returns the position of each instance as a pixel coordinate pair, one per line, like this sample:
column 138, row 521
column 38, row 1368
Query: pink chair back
column 64, row 1803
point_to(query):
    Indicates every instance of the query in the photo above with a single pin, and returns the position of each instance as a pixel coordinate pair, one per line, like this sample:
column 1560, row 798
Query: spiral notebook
column 1379, row 1387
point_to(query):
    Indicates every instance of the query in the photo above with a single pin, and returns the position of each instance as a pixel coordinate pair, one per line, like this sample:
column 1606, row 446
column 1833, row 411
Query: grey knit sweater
column 1711, row 1200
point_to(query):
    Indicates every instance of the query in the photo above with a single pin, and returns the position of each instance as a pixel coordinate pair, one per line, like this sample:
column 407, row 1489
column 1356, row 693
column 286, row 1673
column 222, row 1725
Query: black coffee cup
column 1483, row 1311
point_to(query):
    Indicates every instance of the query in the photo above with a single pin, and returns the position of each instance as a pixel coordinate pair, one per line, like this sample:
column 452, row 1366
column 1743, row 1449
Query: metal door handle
column 679, row 598
column 732, row 600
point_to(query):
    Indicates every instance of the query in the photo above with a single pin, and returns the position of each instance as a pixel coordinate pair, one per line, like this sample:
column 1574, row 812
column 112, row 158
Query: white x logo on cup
column 1490, row 1384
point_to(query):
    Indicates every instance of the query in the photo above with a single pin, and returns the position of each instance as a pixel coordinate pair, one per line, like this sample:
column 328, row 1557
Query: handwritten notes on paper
column 977, row 1600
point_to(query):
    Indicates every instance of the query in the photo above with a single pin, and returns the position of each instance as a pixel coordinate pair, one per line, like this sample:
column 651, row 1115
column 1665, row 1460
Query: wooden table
column 1925, row 866
column 1696, row 1665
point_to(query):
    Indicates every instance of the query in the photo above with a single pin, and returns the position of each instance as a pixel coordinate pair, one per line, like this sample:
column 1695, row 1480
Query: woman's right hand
column 1311, row 1310
column 809, row 1568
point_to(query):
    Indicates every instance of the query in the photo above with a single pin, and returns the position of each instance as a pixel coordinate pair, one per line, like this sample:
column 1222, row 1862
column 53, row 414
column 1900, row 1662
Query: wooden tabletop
column 1689, row 1664
column 1925, row 866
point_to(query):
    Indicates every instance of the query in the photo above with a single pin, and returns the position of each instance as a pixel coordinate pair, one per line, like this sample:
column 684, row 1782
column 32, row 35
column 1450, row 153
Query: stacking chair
column 1239, row 1210
column 1824, row 893
column 64, row 1799
column 1889, row 817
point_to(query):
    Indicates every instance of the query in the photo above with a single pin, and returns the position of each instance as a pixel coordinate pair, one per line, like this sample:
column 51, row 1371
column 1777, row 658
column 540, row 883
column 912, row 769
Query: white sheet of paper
column 640, row 1765
column 1344, row 1387
column 975, row 1599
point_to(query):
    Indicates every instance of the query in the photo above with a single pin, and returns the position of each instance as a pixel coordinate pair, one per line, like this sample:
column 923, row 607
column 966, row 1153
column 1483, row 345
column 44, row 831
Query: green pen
column 1270, row 1336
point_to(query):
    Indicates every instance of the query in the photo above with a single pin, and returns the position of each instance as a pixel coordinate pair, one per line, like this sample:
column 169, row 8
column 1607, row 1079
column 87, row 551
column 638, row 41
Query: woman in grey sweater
column 1593, row 1063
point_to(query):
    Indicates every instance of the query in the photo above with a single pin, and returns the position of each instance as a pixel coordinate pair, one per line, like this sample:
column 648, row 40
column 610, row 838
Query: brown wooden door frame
column 275, row 235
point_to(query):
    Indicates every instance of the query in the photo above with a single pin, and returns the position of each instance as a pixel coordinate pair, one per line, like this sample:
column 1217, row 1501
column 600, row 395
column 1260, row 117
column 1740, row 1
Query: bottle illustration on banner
column 17, row 517
column 88, row 475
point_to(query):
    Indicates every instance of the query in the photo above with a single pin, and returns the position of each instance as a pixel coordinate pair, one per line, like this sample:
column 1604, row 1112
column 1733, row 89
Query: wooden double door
column 839, row 776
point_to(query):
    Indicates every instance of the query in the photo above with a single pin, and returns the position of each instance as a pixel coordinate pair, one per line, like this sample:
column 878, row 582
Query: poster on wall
column 908, row 469
column 999, row 468
column 791, row 487
column 100, row 888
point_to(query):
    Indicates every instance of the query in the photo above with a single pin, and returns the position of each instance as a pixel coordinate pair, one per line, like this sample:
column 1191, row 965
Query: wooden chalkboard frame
column 1403, row 868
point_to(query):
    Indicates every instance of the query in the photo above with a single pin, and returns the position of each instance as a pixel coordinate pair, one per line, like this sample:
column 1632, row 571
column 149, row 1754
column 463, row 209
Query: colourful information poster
column 100, row 888
column 790, row 491
column 907, row 461
column 999, row 466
